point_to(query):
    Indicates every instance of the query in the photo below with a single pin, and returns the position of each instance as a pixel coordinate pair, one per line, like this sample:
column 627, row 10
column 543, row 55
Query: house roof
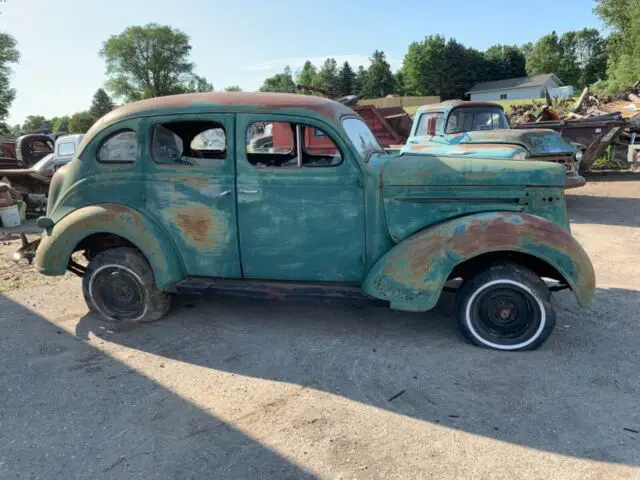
column 510, row 83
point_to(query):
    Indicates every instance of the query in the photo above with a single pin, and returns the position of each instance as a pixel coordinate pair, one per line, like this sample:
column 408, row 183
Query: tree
column 379, row 81
column 526, row 49
column 308, row 75
column 196, row 84
column 504, row 61
column 8, row 54
column 623, row 44
column 150, row 61
column 233, row 88
column 422, row 66
column 280, row 82
column 346, row 80
column 360, row 80
column 60, row 124
column 551, row 54
column 328, row 76
column 591, row 55
column 80, row 122
column 399, row 78
column 34, row 123
column 101, row 104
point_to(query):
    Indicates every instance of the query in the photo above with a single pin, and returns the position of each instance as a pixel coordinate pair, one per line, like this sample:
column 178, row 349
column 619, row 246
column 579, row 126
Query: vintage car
column 480, row 129
column 173, row 194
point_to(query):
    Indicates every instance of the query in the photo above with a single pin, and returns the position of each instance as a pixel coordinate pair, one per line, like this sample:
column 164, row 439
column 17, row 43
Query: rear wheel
column 119, row 286
column 505, row 307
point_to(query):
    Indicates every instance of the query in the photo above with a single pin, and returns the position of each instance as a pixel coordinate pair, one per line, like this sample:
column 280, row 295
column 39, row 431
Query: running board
column 271, row 290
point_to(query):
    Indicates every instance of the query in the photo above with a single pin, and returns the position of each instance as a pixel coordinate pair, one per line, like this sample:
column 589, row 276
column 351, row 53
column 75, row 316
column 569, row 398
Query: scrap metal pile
column 594, row 122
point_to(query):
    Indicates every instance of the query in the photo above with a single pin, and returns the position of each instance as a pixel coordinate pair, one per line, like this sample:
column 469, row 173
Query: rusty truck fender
column 59, row 241
column 412, row 274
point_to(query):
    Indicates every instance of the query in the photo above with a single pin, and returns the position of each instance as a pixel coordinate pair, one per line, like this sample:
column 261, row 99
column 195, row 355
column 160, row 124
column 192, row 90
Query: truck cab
column 481, row 129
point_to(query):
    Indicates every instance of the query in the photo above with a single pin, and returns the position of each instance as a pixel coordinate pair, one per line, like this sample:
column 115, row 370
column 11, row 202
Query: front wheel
column 505, row 307
column 119, row 286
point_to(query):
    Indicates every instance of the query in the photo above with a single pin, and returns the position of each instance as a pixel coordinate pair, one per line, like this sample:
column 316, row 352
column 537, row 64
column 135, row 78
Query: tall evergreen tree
column 328, row 76
column 346, row 80
column 101, row 104
column 379, row 81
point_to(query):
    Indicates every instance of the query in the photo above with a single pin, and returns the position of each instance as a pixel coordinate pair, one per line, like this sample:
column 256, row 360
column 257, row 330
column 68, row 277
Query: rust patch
column 197, row 223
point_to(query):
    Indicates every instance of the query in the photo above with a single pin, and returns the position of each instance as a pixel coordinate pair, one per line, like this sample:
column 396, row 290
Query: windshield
column 361, row 137
column 468, row 119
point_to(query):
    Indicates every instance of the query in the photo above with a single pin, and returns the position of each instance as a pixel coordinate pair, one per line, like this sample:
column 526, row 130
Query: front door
column 300, row 201
column 190, row 189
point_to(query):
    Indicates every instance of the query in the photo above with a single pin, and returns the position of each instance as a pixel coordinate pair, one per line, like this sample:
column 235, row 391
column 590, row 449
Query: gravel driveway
column 247, row 390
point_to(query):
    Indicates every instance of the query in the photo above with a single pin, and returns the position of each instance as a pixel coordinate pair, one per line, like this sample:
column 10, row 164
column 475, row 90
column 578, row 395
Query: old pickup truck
column 480, row 129
column 174, row 194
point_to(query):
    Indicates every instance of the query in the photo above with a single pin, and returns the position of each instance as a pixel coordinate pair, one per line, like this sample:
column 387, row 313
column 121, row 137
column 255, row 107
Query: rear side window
column 275, row 144
column 421, row 130
column 120, row 147
column 190, row 143
column 67, row 148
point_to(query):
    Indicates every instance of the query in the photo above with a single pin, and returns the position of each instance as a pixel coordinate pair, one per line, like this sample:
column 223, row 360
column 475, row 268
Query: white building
column 520, row 88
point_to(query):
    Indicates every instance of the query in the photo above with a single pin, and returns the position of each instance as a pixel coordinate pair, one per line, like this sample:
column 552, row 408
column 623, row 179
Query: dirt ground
column 246, row 389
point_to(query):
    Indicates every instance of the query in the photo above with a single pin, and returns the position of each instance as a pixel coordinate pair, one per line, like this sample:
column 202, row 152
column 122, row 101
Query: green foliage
column 553, row 54
column 80, row 122
column 623, row 45
column 361, row 78
column 34, row 123
column 346, row 80
column 60, row 124
column 233, row 88
column 328, row 76
column 504, row 61
column 8, row 54
column 308, row 75
column 280, row 82
column 100, row 105
column 379, row 80
column 150, row 61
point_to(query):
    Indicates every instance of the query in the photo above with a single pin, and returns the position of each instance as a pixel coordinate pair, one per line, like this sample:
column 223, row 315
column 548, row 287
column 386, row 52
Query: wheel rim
column 505, row 314
column 117, row 292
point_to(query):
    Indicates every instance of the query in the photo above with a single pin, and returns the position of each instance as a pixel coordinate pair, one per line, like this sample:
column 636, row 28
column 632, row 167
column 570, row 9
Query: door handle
column 247, row 190
column 223, row 194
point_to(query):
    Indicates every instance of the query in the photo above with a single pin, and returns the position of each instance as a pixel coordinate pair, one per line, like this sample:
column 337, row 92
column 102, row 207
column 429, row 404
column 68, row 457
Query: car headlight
column 519, row 156
column 578, row 156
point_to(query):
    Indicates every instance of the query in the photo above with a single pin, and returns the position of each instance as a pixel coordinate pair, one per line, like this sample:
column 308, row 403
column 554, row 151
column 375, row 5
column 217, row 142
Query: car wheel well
column 540, row 267
column 99, row 242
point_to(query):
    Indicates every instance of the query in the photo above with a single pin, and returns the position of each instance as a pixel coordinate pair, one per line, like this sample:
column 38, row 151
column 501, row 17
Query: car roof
column 75, row 137
column 232, row 102
column 451, row 104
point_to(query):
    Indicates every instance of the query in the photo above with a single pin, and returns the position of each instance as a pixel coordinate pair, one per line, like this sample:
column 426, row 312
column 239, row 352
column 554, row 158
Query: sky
column 242, row 42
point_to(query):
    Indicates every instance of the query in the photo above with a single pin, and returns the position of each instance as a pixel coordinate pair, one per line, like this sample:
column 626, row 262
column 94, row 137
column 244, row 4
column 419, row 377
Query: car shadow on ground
column 576, row 396
column 71, row 411
column 603, row 210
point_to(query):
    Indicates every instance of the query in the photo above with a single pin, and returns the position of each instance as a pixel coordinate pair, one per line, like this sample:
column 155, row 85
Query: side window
column 275, row 145
column 191, row 143
column 421, row 130
column 121, row 147
column 67, row 148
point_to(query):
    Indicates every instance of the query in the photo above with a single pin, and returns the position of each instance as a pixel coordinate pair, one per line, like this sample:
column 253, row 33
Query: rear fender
column 59, row 242
column 412, row 274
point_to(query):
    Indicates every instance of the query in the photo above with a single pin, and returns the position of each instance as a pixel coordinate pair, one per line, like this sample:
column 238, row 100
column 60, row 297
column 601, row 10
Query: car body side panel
column 58, row 244
column 411, row 275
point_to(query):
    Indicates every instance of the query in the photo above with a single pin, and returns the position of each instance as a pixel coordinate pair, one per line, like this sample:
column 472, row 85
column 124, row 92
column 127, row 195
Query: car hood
column 459, row 171
column 538, row 141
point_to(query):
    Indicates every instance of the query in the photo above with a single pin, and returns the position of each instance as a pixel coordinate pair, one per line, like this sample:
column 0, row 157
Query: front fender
column 412, row 274
column 59, row 241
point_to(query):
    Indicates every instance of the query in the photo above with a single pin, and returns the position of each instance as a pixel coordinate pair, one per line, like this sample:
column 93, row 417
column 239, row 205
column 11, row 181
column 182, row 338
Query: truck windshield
column 361, row 137
column 468, row 119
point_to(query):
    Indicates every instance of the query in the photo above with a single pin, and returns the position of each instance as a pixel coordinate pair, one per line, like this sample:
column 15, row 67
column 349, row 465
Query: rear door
column 190, row 189
column 301, row 218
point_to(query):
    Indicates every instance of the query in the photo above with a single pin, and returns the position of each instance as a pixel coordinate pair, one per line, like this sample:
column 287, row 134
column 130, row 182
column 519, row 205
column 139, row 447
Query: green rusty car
column 279, row 195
